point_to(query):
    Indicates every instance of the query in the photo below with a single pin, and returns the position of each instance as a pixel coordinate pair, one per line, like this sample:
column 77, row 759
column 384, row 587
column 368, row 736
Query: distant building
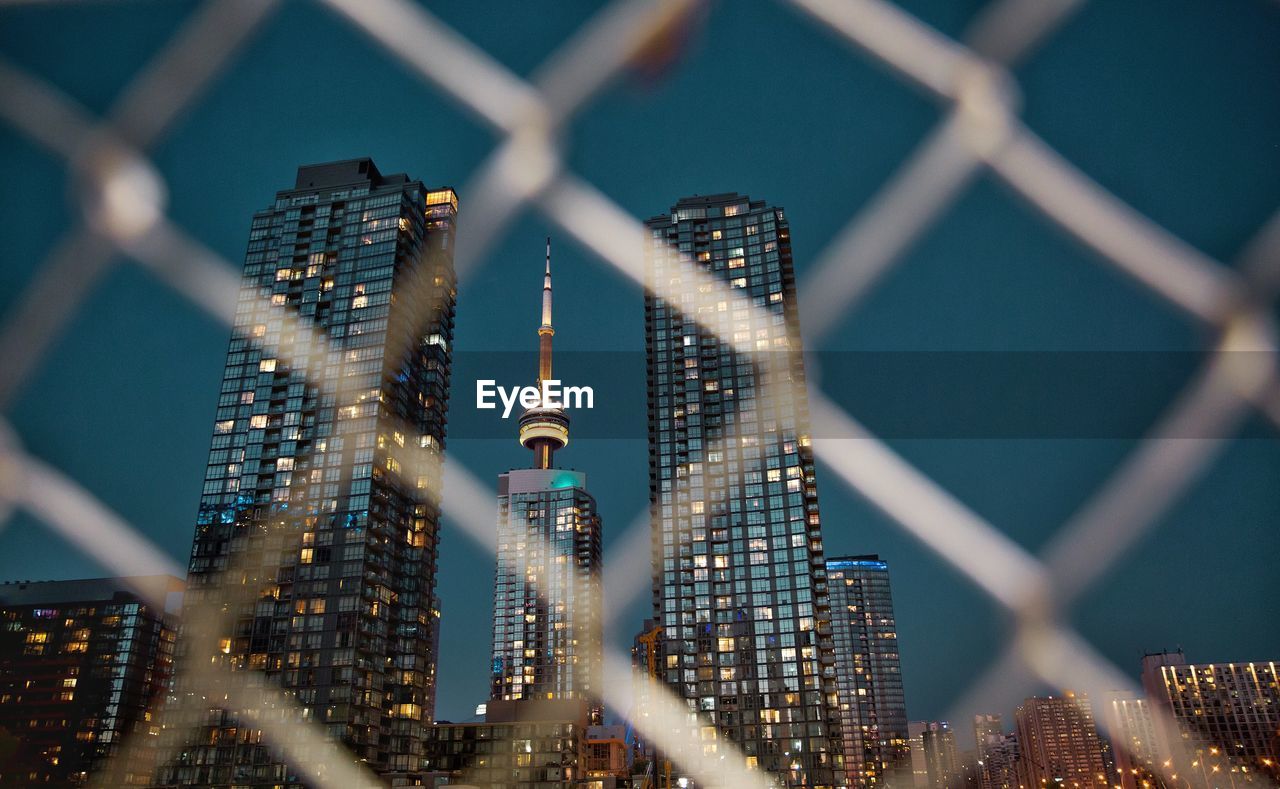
column 873, row 708
column 919, row 767
column 987, row 730
column 1216, row 723
column 935, row 760
column 970, row 772
column 1059, row 743
column 84, row 667
column 521, row 745
column 606, row 754
column 739, row 582
column 1133, row 740
column 941, row 755
column 996, row 751
column 646, row 663
column 999, row 763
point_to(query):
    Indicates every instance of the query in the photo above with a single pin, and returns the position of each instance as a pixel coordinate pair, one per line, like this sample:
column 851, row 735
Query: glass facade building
column 936, row 760
column 873, row 708
column 548, row 629
column 84, row 667
column 314, row 559
column 739, row 584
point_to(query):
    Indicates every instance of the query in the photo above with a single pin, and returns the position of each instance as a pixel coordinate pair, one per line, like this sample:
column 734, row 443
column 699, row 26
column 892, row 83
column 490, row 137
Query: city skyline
column 930, row 598
column 348, row 284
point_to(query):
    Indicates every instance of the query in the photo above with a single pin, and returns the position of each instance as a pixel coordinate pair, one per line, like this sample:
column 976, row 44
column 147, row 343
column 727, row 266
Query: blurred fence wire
column 122, row 204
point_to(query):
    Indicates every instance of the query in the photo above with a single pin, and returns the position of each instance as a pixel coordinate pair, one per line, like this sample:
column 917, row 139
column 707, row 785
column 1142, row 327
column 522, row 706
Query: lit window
column 267, row 366
column 258, row 421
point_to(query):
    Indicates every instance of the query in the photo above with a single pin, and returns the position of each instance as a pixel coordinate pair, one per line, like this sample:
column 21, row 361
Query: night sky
column 1172, row 106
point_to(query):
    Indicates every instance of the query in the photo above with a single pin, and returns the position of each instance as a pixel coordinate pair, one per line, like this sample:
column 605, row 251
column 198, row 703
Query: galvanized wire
column 123, row 217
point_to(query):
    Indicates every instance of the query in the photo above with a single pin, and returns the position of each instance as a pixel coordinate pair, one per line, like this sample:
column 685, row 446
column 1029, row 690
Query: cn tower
column 544, row 430
column 547, row 617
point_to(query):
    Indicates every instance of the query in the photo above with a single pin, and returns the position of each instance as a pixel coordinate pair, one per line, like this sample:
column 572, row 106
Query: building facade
column 548, row 627
column 1216, row 723
column 988, row 729
column 936, row 744
column 997, row 753
column 1133, row 741
column 999, row 763
column 1059, row 743
column 314, row 559
column 873, row 708
column 739, row 583
column 548, row 630
column 607, row 753
column 545, row 754
column 84, row 667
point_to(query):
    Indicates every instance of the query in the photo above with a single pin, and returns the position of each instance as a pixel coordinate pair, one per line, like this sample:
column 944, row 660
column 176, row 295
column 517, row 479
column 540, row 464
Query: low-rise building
column 84, row 666
column 520, row 745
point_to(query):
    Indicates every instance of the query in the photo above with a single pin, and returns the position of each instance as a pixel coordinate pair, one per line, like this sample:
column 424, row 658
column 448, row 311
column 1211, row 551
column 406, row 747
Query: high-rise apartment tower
column 1058, row 743
column 739, row 578
column 873, row 708
column 314, row 559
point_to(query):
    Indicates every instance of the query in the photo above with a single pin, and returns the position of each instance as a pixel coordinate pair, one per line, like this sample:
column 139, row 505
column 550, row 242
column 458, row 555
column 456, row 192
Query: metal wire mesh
column 123, row 215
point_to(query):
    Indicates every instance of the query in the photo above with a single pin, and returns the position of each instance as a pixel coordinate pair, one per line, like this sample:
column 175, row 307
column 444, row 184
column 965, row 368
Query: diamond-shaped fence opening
column 122, row 197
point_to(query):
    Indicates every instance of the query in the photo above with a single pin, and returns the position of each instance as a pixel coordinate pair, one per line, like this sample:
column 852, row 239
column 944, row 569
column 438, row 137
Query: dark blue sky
column 1173, row 107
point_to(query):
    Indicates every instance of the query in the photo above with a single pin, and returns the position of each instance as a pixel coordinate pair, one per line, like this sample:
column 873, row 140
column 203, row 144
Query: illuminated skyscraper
column 935, row 758
column 1218, row 724
column 987, row 729
column 1133, row 740
column 739, row 584
column 314, row 559
column 997, row 753
column 873, row 708
column 1058, row 743
column 547, row 623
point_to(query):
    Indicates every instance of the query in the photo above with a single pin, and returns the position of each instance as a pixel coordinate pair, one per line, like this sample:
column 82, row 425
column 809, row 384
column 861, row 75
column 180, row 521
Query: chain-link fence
column 123, row 214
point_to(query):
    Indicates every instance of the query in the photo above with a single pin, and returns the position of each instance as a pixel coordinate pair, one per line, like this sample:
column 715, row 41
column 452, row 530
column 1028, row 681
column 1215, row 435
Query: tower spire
column 545, row 331
column 542, row 429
